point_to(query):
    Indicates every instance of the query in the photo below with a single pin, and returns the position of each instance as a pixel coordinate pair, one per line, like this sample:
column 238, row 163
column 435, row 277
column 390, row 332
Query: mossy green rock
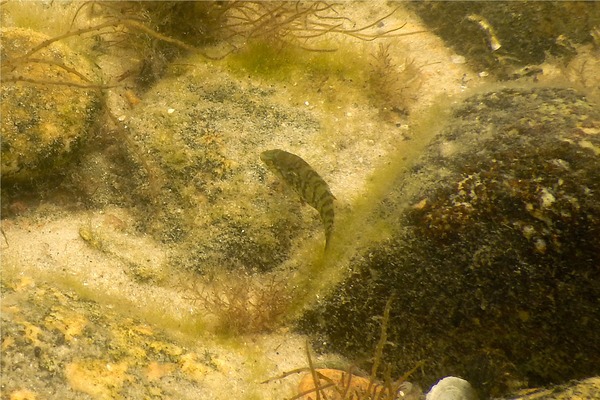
column 201, row 134
column 45, row 114
column 494, row 253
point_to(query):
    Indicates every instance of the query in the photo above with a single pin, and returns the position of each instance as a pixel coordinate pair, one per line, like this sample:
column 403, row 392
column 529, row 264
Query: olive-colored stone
column 45, row 110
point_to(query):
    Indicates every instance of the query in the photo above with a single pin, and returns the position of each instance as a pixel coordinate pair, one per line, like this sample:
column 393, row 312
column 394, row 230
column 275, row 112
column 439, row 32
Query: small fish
column 305, row 181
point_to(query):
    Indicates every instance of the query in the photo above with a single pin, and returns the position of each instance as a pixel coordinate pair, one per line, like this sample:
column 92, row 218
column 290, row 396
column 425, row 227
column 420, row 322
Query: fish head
column 268, row 156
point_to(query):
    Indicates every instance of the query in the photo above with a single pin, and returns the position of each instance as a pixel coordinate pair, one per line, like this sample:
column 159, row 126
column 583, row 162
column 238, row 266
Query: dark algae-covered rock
column 493, row 258
column 504, row 36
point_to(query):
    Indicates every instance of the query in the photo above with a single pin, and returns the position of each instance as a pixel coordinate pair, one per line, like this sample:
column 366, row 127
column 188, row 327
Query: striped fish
column 305, row 181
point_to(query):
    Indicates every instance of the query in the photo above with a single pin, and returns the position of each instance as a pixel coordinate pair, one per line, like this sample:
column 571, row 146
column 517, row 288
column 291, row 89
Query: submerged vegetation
column 268, row 37
column 353, row 384
column 160, row 31
column 298, row 23
column 390, row 83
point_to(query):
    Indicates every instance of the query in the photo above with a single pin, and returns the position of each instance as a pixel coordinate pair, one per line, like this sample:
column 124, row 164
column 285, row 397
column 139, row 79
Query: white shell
column 452, row 388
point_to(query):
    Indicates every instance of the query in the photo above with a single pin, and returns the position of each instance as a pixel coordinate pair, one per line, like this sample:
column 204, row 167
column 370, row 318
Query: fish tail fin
column 327, row 238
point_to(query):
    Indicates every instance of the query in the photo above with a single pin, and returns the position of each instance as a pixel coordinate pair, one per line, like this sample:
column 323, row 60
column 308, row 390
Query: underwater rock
column 79, row 343
column 452, row 388
column 493, row 255
column 505, row 37
column 585, row 389
column 203, row 132
column 46, row 109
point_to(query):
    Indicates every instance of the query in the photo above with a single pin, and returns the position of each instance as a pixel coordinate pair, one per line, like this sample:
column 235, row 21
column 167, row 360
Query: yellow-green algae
column 287, row 63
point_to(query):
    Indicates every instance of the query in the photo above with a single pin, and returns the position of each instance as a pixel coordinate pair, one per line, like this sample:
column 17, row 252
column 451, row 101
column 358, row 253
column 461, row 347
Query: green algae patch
column 282, row 62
